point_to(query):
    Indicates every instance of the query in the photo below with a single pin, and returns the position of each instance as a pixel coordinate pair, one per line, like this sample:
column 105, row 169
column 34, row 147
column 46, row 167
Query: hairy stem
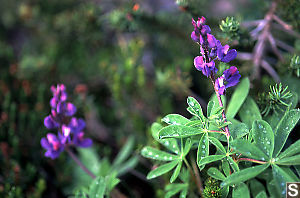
column 79, row 163
column 251, row 160
column 212, row 78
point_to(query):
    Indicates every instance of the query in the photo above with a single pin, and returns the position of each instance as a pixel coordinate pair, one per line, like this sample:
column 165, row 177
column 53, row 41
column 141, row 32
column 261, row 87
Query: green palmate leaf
column 241, row 190
column 263, row 136
column 97, row 188
column 262, row 194
column 187, row 146
column 162, row 169
column 256, row 187
column 175, row 119
column 233, row 164
column 203, row 148
column 196, row 123
column 238, row 98
column 210, row 107
column 292, row 150
column 156, row 154
column 244, row 175
column 280, row 178
column 226, row 168
column 283, row 129
column 248, row 149
column 249, row 112
column 238, row 130
column 179, row 131
column 211, row 158
column 215, row 173
column 225, row 192
column 125, row 152
column 271, row 186
column 170, row 144
column 218, row 144
column 195, row 108
column 176, row 172
column 294, row 160
column 290, row 172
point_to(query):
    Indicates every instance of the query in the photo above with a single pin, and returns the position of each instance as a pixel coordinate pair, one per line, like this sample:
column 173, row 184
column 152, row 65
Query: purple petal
column 66, row 130
column 70, row 109
column 212, row 42
column 198, row 62
column 205, row 29
column 53, row 102
column 87, row 142
column 52, row 138
column 50, row 123
column 45, row 144
column 229, row 56
column 195, row 37
column 77, row 125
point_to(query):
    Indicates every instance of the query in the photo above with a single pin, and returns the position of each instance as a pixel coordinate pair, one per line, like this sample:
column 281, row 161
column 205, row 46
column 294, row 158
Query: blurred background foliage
column 125, row 64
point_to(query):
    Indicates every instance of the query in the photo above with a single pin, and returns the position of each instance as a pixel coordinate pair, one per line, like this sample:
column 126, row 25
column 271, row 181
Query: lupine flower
column 53, row 145
column 206, row 68
column 223, row 54
column 79, row 140
column 219, row 85
column 229, row 78
column 70, row 129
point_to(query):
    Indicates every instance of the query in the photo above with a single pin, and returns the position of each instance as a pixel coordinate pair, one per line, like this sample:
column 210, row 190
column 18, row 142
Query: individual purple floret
column 206, row 68
column 229, row 78
column 69, row 128
column 223, row 54
column 219, row 85
column 53, row 145
column 79, row 140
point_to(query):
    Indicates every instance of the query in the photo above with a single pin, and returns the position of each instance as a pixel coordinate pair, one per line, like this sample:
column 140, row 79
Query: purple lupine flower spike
column 69, row 128
column 212, row 49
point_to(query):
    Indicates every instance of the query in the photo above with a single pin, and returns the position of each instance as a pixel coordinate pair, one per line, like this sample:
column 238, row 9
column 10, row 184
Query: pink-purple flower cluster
column 69, row 128
column 211, row 49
